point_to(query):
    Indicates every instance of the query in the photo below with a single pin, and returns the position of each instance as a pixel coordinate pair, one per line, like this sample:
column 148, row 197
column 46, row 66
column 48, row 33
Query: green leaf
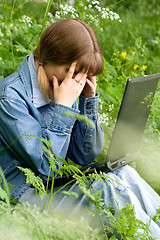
column 34, row 180
column 80, row 117
column 47, row 142
column 21, row 48
column 4, row 193
column 156, row 218
column 4, row 196
column 113, row 237
column 70, row 194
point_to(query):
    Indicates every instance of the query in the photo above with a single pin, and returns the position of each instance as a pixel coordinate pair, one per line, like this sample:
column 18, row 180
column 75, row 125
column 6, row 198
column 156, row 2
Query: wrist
column 90, row 95
column 63, row 102
column 89, row 106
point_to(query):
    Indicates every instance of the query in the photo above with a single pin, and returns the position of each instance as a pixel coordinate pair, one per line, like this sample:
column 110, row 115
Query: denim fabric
column 129, row 188
column 24, row 111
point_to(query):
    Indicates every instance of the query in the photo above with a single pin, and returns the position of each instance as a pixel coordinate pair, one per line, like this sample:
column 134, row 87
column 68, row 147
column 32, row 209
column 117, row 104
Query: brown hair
column 64, row 42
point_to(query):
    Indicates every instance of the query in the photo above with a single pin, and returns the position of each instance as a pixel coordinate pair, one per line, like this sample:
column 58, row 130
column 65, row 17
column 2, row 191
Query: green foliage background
column 130, row 47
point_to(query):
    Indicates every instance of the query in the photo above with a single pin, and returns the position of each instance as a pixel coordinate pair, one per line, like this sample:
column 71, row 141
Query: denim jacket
column 24, row 111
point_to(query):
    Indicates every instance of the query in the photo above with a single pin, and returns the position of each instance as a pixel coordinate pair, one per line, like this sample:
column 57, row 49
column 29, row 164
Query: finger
column 55, row 82
column 90, row 83
column 82, row 82
column 92, row 79
column 71, row 70
column 81, row 77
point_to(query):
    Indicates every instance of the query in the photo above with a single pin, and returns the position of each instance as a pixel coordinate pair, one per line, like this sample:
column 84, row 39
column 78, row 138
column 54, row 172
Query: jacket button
column 88, row 103
column 89, row 107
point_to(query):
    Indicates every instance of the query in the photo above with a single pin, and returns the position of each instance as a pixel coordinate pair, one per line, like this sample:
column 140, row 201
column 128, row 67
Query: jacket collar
column 28, row 74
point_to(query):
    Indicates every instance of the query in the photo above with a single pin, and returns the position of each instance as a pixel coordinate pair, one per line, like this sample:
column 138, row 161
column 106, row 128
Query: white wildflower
column 2, row 24
column 95, row 2
column 66, row 9
column 50, row 14
column 8, row 32
column 155, row 42
column 90, row 17
column 106, row 13
column 57, row 15
column 15, row 29
column 100, row 104
column 81, row 4
column 1, row 34
column 111, row 107
column 26, row 19
column 74, row 16
column 99, row 9
column 103, row 119
column 111, row 17
column 11, row 25
column 1, row 60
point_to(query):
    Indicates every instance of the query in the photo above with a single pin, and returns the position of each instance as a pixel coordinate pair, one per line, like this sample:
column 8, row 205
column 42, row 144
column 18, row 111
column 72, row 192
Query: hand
column 90, row 87
column 69, row 90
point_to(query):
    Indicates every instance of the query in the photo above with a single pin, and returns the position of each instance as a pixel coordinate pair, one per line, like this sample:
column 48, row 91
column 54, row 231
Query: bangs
column 92, row 63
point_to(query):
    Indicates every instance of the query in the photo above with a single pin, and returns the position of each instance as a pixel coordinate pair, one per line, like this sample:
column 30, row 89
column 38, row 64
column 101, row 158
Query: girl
column 32, row 101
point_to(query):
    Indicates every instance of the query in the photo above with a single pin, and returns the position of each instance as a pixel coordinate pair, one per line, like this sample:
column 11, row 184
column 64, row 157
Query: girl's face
column 59, row 71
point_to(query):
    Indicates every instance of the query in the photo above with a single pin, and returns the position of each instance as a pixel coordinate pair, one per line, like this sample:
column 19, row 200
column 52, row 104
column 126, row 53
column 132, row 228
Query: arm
column 86, row 142
column 19, row 118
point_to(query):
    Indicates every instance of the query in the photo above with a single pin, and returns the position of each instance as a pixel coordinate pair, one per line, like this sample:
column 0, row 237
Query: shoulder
column 11, row 86
column 9, row 83
column 17, row 84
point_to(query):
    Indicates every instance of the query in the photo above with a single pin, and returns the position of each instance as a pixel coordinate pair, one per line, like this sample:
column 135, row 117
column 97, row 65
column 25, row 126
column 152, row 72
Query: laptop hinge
column 123, row 161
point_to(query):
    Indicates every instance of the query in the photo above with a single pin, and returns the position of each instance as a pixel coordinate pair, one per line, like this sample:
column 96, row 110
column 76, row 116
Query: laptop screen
column 132, row 117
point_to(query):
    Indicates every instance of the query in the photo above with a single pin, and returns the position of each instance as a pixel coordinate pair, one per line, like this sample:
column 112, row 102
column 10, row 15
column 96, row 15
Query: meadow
column 129, row 36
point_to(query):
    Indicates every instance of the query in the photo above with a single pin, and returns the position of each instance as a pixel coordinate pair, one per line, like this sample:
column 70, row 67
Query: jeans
column 132, row 189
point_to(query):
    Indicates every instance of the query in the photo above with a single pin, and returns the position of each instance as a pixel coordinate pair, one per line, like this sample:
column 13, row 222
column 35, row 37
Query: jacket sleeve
column 86, row 142
column 18, row 118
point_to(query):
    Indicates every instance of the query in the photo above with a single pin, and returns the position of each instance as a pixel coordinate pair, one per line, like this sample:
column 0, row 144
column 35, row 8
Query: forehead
column 67, row 66
column 51, row 67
